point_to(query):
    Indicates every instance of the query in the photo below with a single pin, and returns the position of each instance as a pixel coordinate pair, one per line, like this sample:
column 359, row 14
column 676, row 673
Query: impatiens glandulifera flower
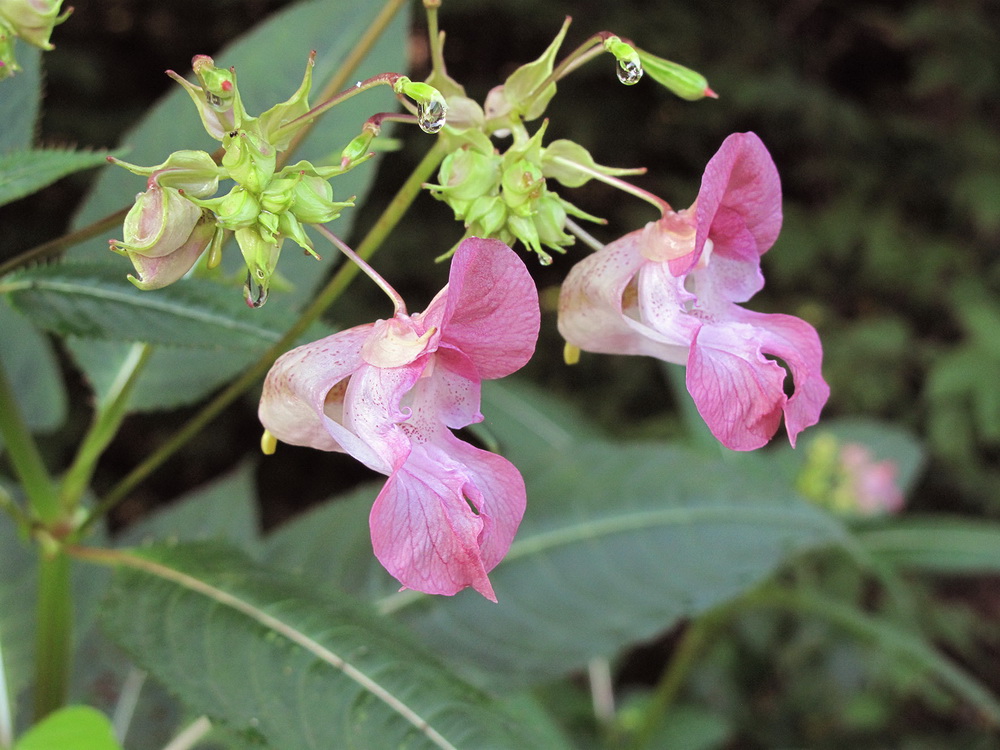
column 390, row 393
column 671, row 290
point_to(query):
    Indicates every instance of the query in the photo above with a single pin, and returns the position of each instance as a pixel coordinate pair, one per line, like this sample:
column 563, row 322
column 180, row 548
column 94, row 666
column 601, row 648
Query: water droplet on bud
column 431, row 117
column 544, row 259
column 629, row 72
column 254, row 293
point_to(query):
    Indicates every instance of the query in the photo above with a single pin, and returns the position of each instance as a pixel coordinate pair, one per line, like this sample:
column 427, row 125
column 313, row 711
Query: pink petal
column 161, row 271
column 426, row 533
column 591, row 314
column 739, row 204
column 303, row 398
column 490, row 311
column 740, row 393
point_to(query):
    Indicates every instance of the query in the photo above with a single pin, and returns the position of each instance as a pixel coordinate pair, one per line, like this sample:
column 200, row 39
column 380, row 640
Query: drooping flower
column 672, row 290
column 390, row 393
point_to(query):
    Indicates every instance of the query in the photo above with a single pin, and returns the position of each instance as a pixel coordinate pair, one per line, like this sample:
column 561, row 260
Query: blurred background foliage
column 884, row 121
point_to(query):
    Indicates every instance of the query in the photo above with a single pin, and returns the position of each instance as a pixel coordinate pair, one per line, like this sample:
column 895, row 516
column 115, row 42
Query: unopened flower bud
column 684, row 82
column 158, row 222
column 236, row 209
column 261, row 256
column 357, row 149
column 278, row 195
column 249, row 159
column 486, row 216
column 313, row 201
column 467, row 174
column 522, row 182
column 32, row 20
column 217, row 99
column 193, row 172
column 158, row 272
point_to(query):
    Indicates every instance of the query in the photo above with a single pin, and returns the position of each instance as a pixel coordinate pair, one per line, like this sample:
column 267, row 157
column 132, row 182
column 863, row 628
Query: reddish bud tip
column 711, row 94
column 227, row 85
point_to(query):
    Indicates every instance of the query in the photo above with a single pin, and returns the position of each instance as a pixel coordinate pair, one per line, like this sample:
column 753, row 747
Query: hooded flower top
column 671, row 290
column 389, row 393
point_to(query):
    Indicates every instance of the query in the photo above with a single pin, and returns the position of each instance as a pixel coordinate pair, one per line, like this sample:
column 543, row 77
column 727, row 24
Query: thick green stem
column 24, row 455
column 54, row 633
column 327, row 296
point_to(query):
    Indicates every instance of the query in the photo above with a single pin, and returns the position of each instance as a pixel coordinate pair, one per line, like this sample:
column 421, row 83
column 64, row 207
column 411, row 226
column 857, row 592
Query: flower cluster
column 509, row 195
column 672, row 290
column 846, row 478
column 29, row 20
column 176, row 219
column 389, row 393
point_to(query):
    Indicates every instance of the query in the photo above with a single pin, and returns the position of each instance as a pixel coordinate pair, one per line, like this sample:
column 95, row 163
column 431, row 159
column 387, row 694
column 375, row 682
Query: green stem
column 107, row 420
column 334, row 288
column 25, row 457
column 54, row 633
column 697, row 636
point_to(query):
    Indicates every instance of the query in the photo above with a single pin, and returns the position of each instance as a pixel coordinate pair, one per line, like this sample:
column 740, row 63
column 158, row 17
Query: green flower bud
column 550, row 222
column 160, row 220
column 278, row 195
column 313, row 201
column 32, row 20
column 466, row 175
column 261, row 256
column 235, row 210
column 684, row 82
column 520, row 96
column 249, row 159
column 158, row 272
column 572, row 165
column 522, row 183
column 194, row 172
column 357, row 150
column 217, row 99
column 292, row 229
column 486, row 216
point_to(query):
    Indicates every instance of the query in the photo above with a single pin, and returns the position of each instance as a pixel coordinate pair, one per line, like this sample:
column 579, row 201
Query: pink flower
column 390, row 392
column 670, row 290
column 873, row 485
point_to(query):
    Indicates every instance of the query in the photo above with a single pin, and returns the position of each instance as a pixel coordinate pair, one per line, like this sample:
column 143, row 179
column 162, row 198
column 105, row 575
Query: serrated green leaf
column 94, row 301
column 942, row 545
column 25, row 172
column 270, row 62
column 19, row 99
column 262, row 653
column 27, row 357
column 71, row 728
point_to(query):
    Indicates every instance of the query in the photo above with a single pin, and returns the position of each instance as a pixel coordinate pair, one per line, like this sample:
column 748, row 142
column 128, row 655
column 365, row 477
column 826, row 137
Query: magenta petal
column 798, row 345
column 738, row 391
column 491, row 308
column 426, row 534
column 739, row 204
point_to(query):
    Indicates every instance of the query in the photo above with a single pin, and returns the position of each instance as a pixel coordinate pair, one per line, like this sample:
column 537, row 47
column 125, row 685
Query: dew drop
column 254, row 292
column 629, row 72
column 431, row 117
column 545, row 259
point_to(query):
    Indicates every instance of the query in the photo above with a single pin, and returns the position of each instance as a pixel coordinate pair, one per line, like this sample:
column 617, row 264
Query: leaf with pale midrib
column 264, row 654
column 94, row 301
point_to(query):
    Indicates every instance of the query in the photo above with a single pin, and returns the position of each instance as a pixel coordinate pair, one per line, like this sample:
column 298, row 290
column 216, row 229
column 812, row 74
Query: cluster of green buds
column 29, row 20
column 509, row 194
column 177, row 218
